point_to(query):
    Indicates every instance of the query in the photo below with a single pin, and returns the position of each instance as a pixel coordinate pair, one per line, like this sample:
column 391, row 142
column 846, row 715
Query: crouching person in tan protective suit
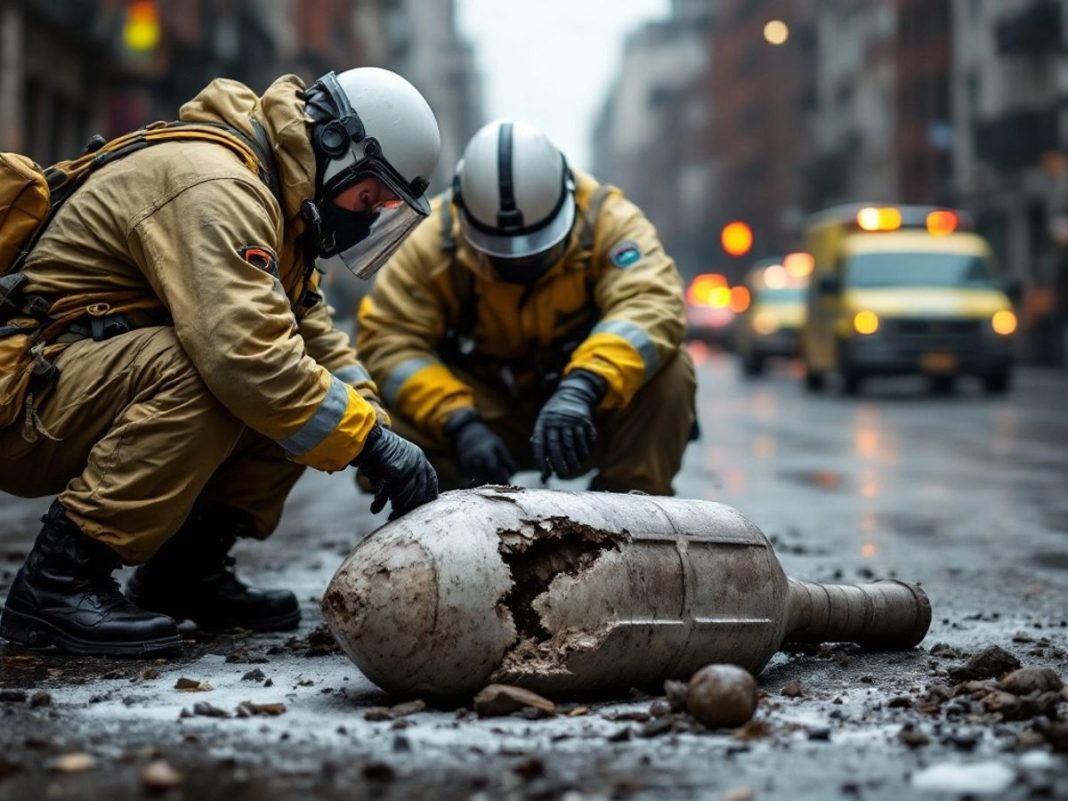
column 534, row 321
column 184, row 367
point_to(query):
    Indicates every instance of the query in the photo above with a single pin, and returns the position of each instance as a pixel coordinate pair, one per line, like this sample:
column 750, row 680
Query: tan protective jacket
column 623, row 294
column 166, row 232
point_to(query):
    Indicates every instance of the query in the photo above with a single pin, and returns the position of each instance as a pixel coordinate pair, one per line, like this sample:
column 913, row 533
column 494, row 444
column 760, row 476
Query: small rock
column 722, row 696
column 148, row 674
column 912, row 737
column 254, row 675
column 793, row 690
column 659, row 709
column 738, row 794
column 990, row 663
column 1030, row 679
column 377, row 713
column 753, row 730
column 184, row 685
column 40, row 698
column 504, row 699
column 158, row 776
column 945, row 651
column 820, row 734
column 13, row 696
column 71, row 763
column 676, row 695
column 530, row 768
column 900, row 702
column 578, row 711
column 247, row 709
column 206, row 710
column 656, row 727
column 408, row 708
column 1055, row 732
column 619, row 736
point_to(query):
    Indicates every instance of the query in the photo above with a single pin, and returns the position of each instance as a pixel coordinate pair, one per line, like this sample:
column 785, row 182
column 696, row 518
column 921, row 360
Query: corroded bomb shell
column 566, row 592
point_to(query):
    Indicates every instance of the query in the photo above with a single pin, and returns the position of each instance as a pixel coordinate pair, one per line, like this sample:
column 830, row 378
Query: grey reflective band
column 321, row 424
column 401, row 373
column 636, row 337
column 353, row 374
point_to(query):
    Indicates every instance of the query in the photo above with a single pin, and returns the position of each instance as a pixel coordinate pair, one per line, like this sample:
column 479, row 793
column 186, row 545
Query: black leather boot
column 192, row 577
column 64, row 595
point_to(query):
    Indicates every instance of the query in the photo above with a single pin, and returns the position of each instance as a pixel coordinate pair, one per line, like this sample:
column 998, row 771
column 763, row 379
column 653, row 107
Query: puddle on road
column 821, row 479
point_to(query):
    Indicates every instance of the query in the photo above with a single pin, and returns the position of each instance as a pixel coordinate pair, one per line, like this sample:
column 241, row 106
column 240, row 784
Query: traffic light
column 736, row 238
column 141, row 29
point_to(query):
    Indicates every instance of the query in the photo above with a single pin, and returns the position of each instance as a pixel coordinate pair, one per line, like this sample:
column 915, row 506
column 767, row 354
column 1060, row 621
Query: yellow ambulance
column 904, row 289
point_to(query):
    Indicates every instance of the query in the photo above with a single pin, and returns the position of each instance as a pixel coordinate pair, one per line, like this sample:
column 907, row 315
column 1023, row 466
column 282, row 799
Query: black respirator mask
column 525, row 269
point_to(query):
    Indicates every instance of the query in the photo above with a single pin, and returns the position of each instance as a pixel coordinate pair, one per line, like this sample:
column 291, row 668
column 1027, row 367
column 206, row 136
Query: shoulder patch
column 625, row 254
column 260, row 257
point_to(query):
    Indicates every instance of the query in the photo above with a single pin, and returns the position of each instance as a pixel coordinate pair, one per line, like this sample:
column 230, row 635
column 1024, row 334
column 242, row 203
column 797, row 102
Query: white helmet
column 515, row 193
column 370, row 122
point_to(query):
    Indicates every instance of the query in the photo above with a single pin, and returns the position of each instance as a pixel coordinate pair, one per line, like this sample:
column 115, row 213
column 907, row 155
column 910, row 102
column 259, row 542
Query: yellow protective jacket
column 184, row 234
column 614, row 284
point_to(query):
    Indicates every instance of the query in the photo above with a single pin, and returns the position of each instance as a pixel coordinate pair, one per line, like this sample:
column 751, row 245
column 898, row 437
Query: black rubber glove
column 483, row 456
column 564, row 432
column 398, row 470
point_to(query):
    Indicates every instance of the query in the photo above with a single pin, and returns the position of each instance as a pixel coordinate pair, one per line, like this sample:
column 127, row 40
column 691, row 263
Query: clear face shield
column 365, row 238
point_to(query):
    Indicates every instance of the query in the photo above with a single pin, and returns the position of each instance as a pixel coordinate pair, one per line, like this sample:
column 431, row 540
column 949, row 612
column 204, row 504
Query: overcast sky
column 551, row 62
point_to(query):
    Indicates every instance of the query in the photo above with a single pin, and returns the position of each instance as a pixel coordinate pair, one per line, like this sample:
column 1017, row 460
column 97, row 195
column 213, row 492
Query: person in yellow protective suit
column 533, row 321
column 194, row 369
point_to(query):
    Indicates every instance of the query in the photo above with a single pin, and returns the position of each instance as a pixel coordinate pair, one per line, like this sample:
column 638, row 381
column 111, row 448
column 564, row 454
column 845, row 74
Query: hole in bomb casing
column 541, row 551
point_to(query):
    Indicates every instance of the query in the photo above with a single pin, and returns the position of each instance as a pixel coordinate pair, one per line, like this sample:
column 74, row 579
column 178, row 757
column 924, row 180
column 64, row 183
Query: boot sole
column 36, row 633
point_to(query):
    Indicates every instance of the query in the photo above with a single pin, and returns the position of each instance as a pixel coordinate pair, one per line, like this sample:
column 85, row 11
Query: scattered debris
column 738, row 794
column 71, row 763
column 408, row 708
column 377, row 713
column 722, row 696
column 504, row 699
column 254, row 675
column 675, row 691
column 247, row 709
column 530, row 768
column 990, row 663
column 379, row 772
column 1031, row 679
column 13, row 696
column 204, row 709
column 793, row 690
column 40, row 698
column 158, row 776
column 184, row 685
column 245, row 657
column 148, row 674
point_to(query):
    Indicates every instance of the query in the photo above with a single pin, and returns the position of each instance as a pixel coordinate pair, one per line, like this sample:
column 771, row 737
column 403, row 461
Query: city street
column 962, row 492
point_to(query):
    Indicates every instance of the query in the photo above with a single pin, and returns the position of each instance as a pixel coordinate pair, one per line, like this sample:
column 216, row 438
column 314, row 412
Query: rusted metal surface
column 565, row 592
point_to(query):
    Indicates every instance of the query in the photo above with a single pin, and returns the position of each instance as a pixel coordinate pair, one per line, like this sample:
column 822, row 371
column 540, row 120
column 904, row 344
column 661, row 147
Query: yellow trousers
column 135, row 439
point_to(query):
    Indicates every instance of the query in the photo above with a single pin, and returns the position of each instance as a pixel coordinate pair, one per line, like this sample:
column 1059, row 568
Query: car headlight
column 1003, row 322
column 865, row 322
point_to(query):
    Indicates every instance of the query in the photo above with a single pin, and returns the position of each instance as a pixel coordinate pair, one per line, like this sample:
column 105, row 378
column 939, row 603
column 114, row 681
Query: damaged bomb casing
column 565, row 592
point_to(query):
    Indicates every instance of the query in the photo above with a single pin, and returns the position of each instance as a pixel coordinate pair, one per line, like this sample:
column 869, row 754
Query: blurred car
column 905, row 289
column 771, row 326
column 712, row 306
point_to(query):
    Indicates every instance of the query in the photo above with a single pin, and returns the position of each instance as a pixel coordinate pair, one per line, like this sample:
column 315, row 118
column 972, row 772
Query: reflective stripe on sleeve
column 321, row 424
column 635, row 336
column 391, row 387
column 353, row 374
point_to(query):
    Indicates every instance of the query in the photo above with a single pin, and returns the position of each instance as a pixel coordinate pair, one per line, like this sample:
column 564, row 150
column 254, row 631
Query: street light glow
column 736, row 238
column 776, row 32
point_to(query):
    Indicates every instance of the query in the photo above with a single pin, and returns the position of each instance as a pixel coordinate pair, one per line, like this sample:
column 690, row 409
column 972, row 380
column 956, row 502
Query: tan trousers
column 138, row 440
column 638, row 448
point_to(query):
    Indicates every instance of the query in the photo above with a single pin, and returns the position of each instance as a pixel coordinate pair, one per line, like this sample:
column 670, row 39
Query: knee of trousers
column 672, row 391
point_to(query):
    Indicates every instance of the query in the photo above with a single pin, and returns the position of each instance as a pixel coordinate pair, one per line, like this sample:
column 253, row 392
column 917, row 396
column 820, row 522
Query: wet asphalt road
column 963, row 493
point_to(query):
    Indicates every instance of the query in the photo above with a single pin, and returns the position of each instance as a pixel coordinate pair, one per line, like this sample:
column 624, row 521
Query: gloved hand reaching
column 398, row 470
column 483, row 456
column 564, row 432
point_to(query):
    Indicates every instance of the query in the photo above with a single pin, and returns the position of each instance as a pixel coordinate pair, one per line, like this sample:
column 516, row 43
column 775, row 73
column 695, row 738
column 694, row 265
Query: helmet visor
column 518, row 246
column 392, row 224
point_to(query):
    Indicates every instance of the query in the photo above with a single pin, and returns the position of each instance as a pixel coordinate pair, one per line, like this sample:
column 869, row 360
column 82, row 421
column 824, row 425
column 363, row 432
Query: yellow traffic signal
column 736, row 238
column 141, row 30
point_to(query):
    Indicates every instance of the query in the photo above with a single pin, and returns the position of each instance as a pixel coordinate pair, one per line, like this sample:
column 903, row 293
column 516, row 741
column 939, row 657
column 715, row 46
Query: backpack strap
column 462, row 280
